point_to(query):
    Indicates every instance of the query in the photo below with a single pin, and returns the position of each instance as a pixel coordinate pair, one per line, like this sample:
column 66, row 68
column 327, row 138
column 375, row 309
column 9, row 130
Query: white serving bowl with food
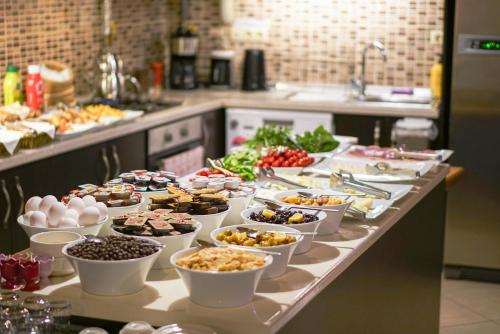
column 333, row 218
column 220, row 288
column 210, row 222
column 83, row 230
column 118, row 211
column 280, row 262
column 51, row 244
column 113, row 277
column 172, row 243
column 146, row 195
column 305, row 245
column 237, row 204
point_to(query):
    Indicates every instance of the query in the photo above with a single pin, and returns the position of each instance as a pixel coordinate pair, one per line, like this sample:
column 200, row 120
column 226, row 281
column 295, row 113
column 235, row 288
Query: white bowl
column 237, row 204
column 51, row 244
column 332, row 222
column 210, row 223
column 173, row 243
column 219, row 289
column 305, row 244
column 112, row 278
column 118, row 211
column 280, row 262
column 83, row 230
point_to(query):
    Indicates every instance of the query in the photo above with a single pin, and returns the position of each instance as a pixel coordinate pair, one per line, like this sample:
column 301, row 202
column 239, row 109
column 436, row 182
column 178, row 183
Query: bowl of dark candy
column 175, row 231
column 112, row 265
column 304, row 220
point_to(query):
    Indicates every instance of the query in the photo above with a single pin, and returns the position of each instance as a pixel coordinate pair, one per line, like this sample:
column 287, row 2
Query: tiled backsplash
column 315, row 41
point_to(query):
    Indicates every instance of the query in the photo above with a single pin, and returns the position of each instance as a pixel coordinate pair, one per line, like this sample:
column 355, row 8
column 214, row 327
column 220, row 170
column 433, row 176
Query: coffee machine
column 184, row 47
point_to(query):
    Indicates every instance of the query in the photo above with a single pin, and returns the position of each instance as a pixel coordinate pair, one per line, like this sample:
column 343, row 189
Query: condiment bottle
column 34, row 88
column 11, row 85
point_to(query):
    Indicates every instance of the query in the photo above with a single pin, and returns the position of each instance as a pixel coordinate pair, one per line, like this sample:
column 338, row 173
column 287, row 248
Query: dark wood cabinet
column 59, row 174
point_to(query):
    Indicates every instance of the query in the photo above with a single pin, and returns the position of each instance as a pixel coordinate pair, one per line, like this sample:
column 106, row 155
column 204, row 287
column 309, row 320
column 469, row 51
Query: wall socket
column 436, row 37
column 250, row 30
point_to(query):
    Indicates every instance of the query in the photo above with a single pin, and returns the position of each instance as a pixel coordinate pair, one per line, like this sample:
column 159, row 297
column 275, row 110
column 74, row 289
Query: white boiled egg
column 103, row 210
column 55, row 213
column 27, row 216
column 46, row 203
column 38, row 218
column 89, row 216
column 68, row 222
column 77, row 204
column 89, row 200
column 72, row 213
column 33, row 204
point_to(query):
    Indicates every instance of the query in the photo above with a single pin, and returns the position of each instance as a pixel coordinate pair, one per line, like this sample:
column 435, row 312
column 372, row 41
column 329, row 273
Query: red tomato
column 285, row 164
column 276, row 154
column 277, row 163
column 301, row 162
column 295, row 164
column 265, row 164
column 288, row 154
column 301, row 155
column 304, row 152
column 281, row 159
column 310, row 160
column 258, row 164
column 292, row 159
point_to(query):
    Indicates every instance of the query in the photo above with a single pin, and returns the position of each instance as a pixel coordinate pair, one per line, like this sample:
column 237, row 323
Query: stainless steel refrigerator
column 473, row 215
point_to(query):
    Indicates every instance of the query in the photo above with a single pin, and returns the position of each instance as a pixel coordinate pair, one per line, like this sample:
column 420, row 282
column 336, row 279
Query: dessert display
column 285, row 157
column 323, row 200
column 77, row 212
column 158, row 223
column 111, row 195
column 221, row 259
column 229, row 186
column 194, row 202
column 282, row 217
column 113, row 248
column 262, row 239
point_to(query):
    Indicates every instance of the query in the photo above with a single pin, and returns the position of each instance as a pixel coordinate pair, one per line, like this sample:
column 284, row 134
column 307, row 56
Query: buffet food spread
column 209, row 226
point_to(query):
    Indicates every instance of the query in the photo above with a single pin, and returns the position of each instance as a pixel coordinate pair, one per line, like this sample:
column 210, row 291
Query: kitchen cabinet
column 363, row 127
column 59, row 174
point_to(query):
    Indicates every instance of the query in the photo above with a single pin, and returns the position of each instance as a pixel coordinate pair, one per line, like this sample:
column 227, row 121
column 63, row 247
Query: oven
column 177, row 146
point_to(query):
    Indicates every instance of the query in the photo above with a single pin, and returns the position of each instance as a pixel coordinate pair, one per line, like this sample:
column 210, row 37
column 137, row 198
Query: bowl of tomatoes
column 285, row 160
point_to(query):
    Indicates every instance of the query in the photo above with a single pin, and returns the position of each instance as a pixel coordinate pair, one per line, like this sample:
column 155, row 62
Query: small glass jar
column 9, row 299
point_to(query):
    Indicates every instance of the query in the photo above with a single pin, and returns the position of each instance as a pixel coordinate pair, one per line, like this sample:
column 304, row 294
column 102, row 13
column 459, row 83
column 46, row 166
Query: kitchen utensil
column 220, row 68
column 219, row 166
column 344, row 178
column 206, row 244
column 252, row 233
column 385, row 168
column 401, row 153
column 275, row 206
column 266, row 174
column 254, row 70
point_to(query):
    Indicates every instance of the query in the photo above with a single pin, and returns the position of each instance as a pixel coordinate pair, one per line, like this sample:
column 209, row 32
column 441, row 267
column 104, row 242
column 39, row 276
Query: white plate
column 357, row 167
column 445, row 154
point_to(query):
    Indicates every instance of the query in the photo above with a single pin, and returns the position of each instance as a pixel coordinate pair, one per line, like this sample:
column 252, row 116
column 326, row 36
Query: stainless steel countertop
column 202, row 101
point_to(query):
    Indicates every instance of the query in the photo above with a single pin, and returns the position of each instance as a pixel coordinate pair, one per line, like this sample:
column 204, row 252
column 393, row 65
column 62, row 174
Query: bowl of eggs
column 80, row 215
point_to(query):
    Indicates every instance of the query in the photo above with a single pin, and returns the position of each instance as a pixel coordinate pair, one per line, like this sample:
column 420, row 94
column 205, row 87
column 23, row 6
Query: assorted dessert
column 77, row 212
column 261, row 239
column 194, row 202
column 287, row 216
column 111, row 195
column 221, row 259
column 323, row 200
column 113, row 248
column 157, row 223
column 229, row 186
column 144, row 180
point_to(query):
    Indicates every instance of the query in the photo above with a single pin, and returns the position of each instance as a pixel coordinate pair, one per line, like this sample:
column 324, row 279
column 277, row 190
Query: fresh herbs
column 242, row 163
column 320, row 140
column 271, row 135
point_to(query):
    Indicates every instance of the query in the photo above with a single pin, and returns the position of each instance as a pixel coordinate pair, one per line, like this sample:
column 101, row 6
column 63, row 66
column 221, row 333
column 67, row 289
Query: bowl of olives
column 304, row 220
column 112, row 265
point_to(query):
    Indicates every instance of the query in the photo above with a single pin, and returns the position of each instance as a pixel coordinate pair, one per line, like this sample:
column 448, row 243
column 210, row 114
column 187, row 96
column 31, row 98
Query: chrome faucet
column 360, row 85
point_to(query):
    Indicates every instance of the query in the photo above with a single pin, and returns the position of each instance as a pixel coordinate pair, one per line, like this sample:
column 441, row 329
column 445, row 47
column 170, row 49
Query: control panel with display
column 478, row 44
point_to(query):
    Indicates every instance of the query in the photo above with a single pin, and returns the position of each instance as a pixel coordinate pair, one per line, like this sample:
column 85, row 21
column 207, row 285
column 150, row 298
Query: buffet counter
column 384, row 276
column 203, row 101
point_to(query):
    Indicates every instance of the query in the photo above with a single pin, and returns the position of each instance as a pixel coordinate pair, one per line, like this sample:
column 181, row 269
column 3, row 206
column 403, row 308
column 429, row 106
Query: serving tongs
column 345, row 178
column 205, row 244
column 385, row 168
column 275, row 206
column 219, row 166
column 400, row 153
column 267, row 174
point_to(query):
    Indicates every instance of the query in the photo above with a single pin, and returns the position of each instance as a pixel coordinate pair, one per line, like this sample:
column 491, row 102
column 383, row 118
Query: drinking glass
column 60, row 310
